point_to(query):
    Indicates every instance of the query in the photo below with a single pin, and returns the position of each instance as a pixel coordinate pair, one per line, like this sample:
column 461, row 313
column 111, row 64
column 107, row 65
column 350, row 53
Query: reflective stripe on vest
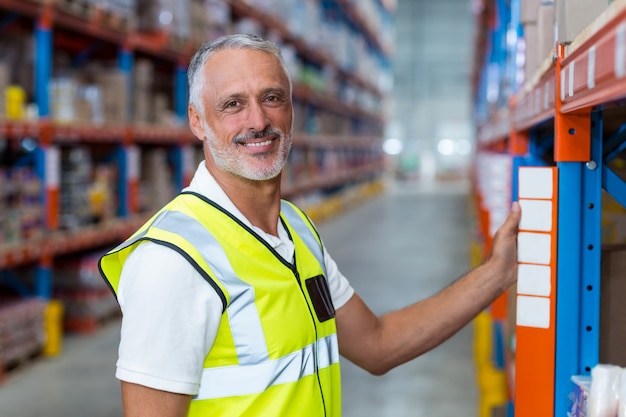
column 253, row 379
column 305, row 232
column 248, row 332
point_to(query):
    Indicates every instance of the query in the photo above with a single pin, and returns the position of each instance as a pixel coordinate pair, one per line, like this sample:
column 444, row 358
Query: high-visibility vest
column 276, row 351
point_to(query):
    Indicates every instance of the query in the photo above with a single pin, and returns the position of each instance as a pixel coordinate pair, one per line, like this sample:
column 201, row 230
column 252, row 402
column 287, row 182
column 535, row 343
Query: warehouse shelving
column 568, row 117
column 322, row 160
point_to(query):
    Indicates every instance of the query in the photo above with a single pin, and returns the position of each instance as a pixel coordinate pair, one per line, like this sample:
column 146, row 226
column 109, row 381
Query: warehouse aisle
column 395, row 249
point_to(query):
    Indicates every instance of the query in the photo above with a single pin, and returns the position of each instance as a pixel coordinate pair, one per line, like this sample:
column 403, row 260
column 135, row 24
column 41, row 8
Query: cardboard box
column 531, row 61
column 115, row 98
column 573, row 16
column 4, row 83
column 546, row 31
column 528, row 11
column 612, row 305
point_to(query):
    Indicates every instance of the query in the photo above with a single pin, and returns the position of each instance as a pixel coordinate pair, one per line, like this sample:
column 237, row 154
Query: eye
column 231, row 104
column 274, row 99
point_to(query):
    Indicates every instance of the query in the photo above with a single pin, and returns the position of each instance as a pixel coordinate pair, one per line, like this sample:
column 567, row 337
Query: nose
column 257, row 117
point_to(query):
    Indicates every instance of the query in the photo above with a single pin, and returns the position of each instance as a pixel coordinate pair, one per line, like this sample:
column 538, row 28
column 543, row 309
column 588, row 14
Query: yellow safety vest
column 276, row 351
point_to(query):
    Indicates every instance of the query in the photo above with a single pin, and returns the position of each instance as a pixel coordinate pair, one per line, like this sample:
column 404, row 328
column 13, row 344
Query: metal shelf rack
column 569, row 117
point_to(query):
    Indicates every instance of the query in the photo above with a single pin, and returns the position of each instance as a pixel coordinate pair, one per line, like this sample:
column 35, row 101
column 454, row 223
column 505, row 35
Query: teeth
column 267, row 142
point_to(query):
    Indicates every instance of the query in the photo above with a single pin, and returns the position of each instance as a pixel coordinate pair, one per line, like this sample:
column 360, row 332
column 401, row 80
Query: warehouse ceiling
column 431, row 102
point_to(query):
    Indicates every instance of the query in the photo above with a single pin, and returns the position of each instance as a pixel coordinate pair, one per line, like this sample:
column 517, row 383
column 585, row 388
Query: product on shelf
column 143, row 94
column 101, row 192
column 75, row 179
column 87, row 189
column 63, row 96
column 169, row 16
column 4, row 84
column 21, row 213
column 16, row 70
column 157, row 183
column 115, row 99
column 603, row 394
column 579, row 396
column 96, row 95
column 87, row 300
column 22, row 331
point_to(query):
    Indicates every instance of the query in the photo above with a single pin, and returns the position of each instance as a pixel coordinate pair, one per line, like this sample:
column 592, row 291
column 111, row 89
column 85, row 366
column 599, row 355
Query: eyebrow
column 238, row 96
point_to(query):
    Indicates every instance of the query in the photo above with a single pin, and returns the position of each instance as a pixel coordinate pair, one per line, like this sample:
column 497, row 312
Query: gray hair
column 237, row 41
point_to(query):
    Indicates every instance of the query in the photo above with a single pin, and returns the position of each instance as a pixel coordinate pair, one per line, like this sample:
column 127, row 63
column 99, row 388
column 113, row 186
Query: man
column 231, row 305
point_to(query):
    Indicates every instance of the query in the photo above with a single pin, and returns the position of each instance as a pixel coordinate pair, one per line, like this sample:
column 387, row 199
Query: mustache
column 258, row 134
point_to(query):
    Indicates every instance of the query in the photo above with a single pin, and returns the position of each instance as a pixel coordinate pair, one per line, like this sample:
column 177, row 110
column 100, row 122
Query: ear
column 195, row 122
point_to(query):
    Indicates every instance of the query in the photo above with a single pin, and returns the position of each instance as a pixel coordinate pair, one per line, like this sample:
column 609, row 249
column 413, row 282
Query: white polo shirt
column 171, row 314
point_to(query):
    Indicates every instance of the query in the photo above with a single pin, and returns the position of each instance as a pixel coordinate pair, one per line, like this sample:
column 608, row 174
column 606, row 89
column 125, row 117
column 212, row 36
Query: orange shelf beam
column 536, row 104
column 65, row 242
column 595, row 72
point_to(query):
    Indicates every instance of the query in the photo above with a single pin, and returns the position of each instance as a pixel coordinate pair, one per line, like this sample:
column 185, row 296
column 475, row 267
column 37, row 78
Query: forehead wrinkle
column 238, row 61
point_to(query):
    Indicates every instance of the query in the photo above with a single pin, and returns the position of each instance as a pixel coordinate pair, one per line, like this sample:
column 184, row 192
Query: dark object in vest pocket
column 320, row 296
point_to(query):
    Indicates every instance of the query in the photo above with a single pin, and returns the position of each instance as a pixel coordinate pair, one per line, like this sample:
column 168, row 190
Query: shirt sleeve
column 340, row 289
column 170, row 318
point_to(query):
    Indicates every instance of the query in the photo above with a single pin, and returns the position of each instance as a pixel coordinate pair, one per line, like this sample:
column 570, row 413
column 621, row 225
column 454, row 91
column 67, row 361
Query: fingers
column 515, row 215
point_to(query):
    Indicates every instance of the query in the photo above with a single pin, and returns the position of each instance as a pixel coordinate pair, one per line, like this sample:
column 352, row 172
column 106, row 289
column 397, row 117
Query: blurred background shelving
column 94, row 136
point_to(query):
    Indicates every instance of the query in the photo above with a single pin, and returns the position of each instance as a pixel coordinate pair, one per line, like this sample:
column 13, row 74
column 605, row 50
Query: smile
column 259, row 144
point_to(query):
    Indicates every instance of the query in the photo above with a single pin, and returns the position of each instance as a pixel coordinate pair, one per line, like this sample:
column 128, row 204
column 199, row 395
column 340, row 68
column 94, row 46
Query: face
column 248, row 114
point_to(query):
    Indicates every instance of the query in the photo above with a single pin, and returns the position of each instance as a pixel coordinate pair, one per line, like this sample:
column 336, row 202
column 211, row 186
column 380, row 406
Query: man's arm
column 140, row 401
column 378, row 344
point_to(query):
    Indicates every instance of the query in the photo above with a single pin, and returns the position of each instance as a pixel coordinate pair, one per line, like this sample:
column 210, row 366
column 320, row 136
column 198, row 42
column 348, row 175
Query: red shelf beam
column 537, row 104
column 496, row 130
column 595, row 73
column 77, row 133
column 65, row 242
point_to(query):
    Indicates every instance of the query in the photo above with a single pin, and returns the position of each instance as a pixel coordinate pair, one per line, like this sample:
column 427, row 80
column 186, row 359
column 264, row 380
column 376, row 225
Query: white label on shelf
column 620, row 51
column 53, row 167
column 533, row 312
column 562, row 84
column 535, row 182
column 546, row 96
column 534, row 280
column 591, row 67
column 534, row 248
column 536, row 215
column 133, row 162
column 537, row 108
column 570, row 87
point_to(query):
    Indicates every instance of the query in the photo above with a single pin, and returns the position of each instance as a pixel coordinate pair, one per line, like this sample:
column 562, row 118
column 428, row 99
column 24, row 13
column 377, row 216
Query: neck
column 258, row 201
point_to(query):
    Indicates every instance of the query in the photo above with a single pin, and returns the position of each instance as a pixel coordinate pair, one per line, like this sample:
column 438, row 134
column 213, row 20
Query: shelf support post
column 579, row 250
column 591, row 250
column 43, row 61
column 180, row 93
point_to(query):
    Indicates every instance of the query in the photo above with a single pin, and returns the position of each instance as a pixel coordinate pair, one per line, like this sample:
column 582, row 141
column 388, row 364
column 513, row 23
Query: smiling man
column 231, row 304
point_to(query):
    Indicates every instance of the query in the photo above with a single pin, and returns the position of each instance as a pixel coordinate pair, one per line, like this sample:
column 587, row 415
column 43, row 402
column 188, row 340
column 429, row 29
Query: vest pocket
column 320, row 297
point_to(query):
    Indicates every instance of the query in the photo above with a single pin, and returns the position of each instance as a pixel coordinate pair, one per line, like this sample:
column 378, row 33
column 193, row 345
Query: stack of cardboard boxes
column 548, row 22
column 539, row 28
column 22, row 331
column 143, row 79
